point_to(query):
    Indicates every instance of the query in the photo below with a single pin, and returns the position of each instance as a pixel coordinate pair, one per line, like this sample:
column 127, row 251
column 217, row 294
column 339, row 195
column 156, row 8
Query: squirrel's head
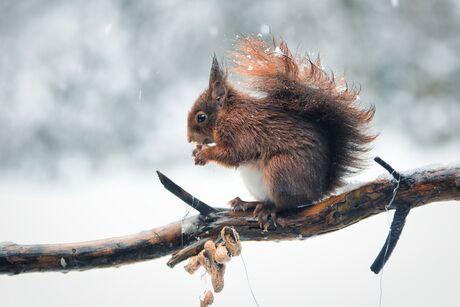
column 202, row 117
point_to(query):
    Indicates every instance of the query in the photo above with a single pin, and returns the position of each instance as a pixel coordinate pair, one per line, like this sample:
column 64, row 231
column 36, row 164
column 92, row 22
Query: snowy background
column 94, row 98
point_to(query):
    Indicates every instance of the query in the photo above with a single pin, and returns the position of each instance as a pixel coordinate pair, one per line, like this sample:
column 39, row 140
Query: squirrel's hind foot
column 264, row 211
column 240, row 205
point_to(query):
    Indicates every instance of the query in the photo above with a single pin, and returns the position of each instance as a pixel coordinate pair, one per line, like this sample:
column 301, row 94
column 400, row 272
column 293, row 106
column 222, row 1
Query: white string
column 186, row 214
column 395, row 190
column 387, row 208
column 235, row 234
column 249, row 283
column 201, row 297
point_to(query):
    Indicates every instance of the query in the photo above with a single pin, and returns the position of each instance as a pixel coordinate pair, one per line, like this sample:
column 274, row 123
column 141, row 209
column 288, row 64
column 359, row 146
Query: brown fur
column 303, row 132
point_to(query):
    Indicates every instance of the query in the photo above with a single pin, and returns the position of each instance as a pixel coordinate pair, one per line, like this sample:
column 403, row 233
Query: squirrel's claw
column 197, row 149
column 200, row 155
column 237, row 204
column 200, row 160
column 264, row 213
column 240, row 205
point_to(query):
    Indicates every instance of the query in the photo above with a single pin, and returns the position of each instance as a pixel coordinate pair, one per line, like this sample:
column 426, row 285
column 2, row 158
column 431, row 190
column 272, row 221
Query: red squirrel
column 293, row 135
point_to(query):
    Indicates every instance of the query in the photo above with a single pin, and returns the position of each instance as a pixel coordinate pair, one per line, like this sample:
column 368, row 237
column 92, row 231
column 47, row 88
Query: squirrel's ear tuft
column 217, row 81
column 216, row 74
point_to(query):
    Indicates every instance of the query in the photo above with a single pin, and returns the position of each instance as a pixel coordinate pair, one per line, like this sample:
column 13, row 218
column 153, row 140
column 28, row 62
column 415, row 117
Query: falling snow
column 264, row 29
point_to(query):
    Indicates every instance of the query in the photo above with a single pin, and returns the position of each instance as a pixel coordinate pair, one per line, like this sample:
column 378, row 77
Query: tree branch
column 185, row 196
column 333, row 213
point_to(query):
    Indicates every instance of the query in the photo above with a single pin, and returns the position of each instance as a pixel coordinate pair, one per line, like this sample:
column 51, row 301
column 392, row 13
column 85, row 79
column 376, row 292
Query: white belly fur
column 252, row 178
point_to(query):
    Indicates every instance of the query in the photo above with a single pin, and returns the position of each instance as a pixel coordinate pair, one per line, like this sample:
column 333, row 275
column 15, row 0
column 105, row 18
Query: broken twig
column 188, row 198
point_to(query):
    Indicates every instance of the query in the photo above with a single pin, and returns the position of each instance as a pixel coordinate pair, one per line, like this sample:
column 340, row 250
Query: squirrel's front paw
column 197, row 149
column 200, row 157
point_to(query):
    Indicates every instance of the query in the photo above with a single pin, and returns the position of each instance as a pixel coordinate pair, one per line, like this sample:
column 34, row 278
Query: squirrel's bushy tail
column 300, row 85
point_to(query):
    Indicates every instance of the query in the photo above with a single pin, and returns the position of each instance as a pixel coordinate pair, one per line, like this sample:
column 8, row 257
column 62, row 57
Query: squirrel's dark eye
column 201, row 117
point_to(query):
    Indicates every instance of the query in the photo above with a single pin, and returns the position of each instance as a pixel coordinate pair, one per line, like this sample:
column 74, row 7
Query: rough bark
column 333, row 213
